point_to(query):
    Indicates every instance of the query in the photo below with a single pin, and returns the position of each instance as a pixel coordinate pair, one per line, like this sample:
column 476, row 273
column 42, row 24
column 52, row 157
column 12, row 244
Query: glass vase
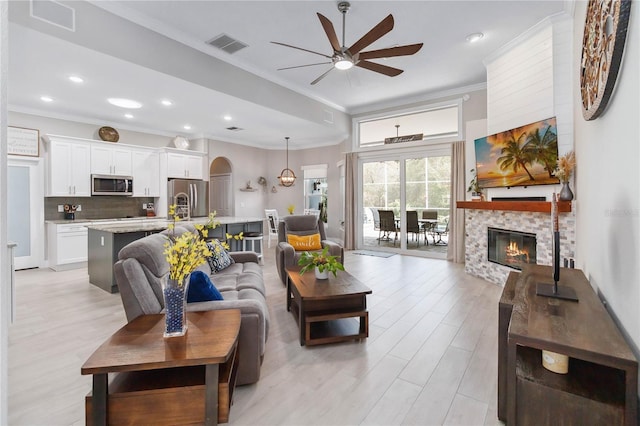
column 175, row 306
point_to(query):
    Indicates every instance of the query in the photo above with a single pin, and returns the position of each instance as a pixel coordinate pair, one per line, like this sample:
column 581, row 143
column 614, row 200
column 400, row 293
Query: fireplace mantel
column 517, row 206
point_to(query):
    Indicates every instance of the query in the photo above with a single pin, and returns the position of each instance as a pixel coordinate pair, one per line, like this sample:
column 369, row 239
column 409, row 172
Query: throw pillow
column 219, row 259
column 201, row 289
column 305, row 242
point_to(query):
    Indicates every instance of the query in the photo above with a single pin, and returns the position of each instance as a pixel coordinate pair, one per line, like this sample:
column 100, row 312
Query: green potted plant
column 474, row 187
column 322, row 262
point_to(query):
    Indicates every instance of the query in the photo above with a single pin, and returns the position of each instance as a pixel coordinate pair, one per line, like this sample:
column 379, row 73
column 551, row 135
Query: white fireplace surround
column 478, row 221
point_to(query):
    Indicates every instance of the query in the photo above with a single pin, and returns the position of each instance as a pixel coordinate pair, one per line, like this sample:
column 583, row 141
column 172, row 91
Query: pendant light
column 287, row 177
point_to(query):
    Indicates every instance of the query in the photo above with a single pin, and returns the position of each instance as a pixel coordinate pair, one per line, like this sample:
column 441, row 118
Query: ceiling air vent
column 226, row 43
column 234, row 129
column 54, row 13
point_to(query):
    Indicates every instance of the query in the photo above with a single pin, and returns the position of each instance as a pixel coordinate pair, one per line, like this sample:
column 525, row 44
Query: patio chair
column 440, row 231
column 387, row 226
column 427, row 227
column 376, row 218
column 413, row 226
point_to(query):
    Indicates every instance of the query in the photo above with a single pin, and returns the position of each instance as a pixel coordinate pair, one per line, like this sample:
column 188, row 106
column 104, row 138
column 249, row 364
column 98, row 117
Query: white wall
column 608, row 179
column 528, row 80
column 5, row 273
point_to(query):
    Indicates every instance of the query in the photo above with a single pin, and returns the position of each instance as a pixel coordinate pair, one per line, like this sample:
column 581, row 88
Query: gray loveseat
column 141, row 265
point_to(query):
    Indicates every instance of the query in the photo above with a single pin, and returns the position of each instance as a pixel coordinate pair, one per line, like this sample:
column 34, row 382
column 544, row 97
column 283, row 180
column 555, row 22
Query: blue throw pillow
column 201, row 289
column 219, row 259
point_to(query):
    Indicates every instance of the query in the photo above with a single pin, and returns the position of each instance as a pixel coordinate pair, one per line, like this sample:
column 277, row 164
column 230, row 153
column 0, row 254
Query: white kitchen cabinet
column 68, row 245
column 110, row 160
column 146, row 173
column 185, row 166
column 68, row 168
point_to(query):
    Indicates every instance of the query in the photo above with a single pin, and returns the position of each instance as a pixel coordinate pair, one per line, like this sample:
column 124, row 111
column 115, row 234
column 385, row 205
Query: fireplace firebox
column 511, row 248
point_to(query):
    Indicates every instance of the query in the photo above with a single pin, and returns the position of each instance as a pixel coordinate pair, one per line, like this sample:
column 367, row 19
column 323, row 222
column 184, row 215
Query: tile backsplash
column 103, row 207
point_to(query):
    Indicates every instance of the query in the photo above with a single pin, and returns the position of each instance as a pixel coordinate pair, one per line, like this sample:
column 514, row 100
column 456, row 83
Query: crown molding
column 416, row 99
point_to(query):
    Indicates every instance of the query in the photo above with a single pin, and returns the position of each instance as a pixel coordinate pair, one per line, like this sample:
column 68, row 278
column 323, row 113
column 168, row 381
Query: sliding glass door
column 404, row 201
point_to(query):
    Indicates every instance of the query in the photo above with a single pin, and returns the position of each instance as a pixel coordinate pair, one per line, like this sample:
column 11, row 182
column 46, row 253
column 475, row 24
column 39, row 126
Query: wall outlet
column 78, row 208
column 144, row 206
column 60, row 208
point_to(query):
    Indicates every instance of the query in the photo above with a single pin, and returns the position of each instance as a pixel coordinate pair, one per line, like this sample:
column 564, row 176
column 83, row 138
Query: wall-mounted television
column 523, row 156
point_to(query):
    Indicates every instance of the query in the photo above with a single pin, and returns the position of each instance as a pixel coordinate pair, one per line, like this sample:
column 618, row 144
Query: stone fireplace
column 510, row 248
column 480, row 216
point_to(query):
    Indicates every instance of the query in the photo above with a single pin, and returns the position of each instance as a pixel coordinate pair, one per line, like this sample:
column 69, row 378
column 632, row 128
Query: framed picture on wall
column 21, row 141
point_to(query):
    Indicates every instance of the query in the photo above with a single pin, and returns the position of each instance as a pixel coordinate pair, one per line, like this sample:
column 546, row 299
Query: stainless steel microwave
column 111, row 185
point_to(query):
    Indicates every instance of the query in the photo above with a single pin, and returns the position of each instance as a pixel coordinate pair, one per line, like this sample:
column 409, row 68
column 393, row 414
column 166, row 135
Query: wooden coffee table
column 179, row 380
column 325, row 308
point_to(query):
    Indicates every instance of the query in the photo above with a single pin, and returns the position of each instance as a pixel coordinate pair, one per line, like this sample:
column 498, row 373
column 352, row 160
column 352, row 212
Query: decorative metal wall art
column 605, row 32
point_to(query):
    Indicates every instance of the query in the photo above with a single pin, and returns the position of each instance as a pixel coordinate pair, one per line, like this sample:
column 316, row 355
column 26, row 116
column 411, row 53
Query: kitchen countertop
column 161, row 224
column 126, row 228
column 135, row 219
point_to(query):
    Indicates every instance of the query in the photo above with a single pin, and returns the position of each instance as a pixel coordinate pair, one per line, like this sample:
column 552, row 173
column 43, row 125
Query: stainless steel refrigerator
column 191, row 197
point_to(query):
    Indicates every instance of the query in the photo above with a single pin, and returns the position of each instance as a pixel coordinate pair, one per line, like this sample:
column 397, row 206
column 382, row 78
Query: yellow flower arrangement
column 189, row 250
column 291, row 208
column 565, row 167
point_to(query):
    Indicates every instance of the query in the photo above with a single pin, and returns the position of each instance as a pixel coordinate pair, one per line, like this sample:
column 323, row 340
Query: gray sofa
column 286, row 255
column 141, row 265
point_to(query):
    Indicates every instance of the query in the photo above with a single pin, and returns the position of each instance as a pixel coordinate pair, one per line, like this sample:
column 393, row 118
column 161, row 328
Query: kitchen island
column 106, row 240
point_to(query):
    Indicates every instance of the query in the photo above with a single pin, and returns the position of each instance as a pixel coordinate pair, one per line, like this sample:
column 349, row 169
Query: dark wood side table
column 180, row 380
column 601, row 386
column 325, row 308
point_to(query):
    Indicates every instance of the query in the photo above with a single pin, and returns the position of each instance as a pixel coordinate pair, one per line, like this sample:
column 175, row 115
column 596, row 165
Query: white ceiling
column 445, row 62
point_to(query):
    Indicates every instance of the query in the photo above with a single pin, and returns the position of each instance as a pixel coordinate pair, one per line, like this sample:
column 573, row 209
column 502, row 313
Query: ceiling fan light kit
column 344, row 58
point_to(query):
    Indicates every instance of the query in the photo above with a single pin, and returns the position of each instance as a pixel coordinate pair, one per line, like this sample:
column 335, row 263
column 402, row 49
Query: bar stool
column 253, row 237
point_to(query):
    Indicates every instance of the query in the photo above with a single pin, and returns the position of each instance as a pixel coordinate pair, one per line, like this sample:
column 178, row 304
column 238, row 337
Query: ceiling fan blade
column 382, row 69
column 374, row 34
column 302, row 66
column 409, row 49
column 330, row 31
column 322, row 76
column 300, row 48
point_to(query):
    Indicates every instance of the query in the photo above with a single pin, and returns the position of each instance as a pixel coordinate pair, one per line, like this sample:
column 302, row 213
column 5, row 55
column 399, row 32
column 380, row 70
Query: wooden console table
column 180, row 380
column 602, row 382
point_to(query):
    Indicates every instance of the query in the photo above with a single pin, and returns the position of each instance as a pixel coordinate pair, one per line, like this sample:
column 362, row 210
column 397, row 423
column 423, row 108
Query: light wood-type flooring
column 430, row 359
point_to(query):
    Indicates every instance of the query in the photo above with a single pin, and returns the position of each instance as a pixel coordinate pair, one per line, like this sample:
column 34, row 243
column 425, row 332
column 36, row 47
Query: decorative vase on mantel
column 175, row 306
column 321, row 275
column 565, row 193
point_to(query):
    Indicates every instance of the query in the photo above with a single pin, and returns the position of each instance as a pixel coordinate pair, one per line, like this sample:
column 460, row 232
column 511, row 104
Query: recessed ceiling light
column 186, row 127
column 166, row 102
column 76, row 79
column 124, row 103
column 472, row 38
column 129, row 115
column 227, row 118
column 46, row 99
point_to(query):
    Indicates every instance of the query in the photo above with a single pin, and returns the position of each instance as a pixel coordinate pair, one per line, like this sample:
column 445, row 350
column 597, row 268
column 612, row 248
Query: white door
column 221, row 195
column 25, row 212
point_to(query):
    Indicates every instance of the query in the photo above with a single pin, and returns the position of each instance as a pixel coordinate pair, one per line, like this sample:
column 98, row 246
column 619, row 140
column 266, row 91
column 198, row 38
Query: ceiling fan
column 344, row 58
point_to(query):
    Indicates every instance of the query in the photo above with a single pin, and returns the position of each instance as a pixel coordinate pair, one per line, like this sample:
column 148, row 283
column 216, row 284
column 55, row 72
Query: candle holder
column 554, row 290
